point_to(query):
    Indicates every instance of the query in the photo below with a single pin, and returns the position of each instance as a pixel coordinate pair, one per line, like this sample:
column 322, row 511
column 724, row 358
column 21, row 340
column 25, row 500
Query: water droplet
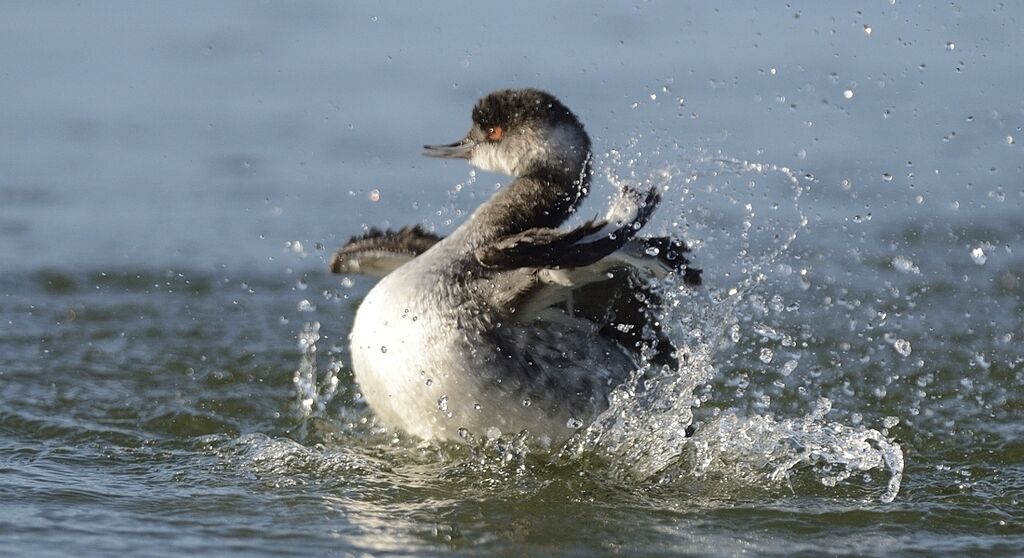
column 766, row 355
column 979, row 256
column 902, row 347
column 887, row 177
column 383, row 348
column 477, row 406
column 306, row 306
column 904, row 264
column 1010, row 140
column 789, row 367
column 527, row 402
column 573, row 423
column 374, row 195
column 981, row 361
column 951, row 46
column 442, row 403
column 867, row 30
column 848, row 93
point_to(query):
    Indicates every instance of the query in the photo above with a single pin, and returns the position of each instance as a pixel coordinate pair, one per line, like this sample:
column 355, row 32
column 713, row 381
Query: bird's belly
column 422, row 371
column 393, row 354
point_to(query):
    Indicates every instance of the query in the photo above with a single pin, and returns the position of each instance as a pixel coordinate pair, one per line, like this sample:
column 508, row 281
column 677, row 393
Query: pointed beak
column 462, row 149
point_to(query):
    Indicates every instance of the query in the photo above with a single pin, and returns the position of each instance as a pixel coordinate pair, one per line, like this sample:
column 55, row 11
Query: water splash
column 312, row 392
column 760, row 449
column 644, row 431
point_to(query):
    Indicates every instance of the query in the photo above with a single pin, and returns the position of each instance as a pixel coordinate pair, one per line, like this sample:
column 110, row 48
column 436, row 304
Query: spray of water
column 313, row 393
column 644, row 431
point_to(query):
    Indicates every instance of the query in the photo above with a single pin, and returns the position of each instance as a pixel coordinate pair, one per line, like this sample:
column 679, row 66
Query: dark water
column 172, row 178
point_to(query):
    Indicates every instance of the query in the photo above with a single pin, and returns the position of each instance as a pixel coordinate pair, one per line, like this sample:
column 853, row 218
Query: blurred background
column 198, row 134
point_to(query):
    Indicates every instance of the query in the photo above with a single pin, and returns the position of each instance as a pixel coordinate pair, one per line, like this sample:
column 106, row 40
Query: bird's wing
column 578, row 247
column 625, row 307
column 599, row 271
column 378, row 253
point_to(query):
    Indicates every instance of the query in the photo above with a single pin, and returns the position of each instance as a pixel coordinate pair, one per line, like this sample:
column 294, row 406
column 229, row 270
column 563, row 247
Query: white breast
column 424, row 371
column 394, row 336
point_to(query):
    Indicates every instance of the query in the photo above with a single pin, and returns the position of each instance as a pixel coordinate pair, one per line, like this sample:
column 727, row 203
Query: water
column 173, row 366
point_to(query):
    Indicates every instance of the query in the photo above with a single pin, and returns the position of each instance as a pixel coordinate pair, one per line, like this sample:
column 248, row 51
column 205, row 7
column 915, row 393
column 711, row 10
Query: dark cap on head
column 511, row 107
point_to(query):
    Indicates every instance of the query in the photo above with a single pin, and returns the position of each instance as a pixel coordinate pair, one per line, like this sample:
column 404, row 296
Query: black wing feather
column 554, row 248
column 372, row 248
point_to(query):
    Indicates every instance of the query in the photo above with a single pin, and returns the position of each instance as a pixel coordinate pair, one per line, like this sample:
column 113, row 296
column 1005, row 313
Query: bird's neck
column 544, row 196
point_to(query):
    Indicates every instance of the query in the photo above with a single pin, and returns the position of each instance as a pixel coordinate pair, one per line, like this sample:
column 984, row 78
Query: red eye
column 495, row 133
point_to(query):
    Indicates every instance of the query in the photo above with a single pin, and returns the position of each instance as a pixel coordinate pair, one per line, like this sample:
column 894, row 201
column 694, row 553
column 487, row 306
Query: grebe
column 511, row 323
